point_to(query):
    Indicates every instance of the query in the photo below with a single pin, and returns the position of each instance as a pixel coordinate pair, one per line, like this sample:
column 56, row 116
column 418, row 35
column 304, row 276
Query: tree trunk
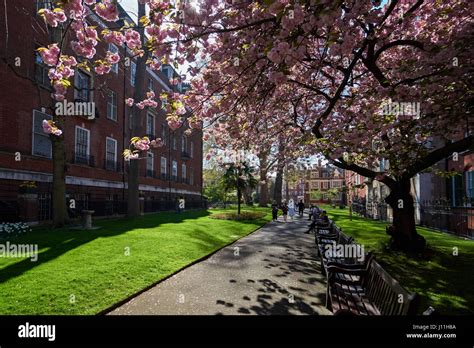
column 133, row 199
column 59, row 205
column 277, row 194
column 247, row 193
column 239, row 195
column 263, row 199
column 403, row 230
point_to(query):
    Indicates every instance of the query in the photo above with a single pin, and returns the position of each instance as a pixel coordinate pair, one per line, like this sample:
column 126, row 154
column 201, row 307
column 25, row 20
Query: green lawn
column 443, row 280
column 92, row 268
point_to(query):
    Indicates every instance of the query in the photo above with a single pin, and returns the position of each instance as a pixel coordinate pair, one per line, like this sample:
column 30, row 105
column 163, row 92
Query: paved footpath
column 275, row 270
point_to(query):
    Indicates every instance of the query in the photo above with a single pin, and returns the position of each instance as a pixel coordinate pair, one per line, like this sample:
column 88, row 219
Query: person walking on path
column 291, row 209
column 274, row 211
column 301, row 207
column 284, row 209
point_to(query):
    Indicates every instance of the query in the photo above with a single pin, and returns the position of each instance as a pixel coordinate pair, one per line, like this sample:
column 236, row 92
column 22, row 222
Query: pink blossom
column 107, row 10
column 50, row 54
column 129, row 101
column 114, row 37
column 102, row 68
column 132, row 38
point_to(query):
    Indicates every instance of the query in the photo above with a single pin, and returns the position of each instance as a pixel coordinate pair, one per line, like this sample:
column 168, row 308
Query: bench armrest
column 360, row 271
column 360, row 266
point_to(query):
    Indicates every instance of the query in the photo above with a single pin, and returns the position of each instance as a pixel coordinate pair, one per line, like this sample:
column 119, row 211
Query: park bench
column 366, row 289
column 328, row 236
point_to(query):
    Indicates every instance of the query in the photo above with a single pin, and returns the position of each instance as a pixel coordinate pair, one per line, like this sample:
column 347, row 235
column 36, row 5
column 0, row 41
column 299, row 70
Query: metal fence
column 9, row 209
column 435, row 214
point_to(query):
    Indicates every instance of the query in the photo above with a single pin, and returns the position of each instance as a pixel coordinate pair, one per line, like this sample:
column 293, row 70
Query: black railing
column 150, row 173
column 435, row 214
column 185, row 155
column 185, row 180
column 79, row 158
column 164, row 176
column 174, row 178
column 111, row 165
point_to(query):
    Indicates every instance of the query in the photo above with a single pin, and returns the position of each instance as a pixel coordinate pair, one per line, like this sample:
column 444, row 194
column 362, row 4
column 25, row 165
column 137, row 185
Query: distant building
column 324, row 184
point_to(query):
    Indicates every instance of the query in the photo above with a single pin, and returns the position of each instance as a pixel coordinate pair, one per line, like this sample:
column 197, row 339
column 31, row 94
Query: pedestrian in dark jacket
column 284, row 209
column 274, row 211
column 301, row 207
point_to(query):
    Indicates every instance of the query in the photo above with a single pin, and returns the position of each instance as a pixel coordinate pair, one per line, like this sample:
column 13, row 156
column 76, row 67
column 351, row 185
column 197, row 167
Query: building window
column 41, row 142
column 110, row 154
column 41, row 72
column 183, row 172
column 470, row 187
column 114, row 49
column 191, row 175
column 82, row 86
column 112, row 105
column 175, row 142
column 163, row 168
column 183, row 143
column 174, row 172
column 150, row 85
column 149, row 164
column 82, row 146
column 191, row 149
column 150, row 125
column 133, row 73
column 47, row 4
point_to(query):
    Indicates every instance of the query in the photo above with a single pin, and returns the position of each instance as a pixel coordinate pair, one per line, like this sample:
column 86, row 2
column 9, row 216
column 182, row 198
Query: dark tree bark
column 277, row 194
column 263, row 200
column 133, row 199
column 239, row 197
column 59, row 205
column 403, row 229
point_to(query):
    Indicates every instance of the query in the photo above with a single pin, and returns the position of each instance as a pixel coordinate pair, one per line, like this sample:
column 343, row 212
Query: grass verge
column 85, row 272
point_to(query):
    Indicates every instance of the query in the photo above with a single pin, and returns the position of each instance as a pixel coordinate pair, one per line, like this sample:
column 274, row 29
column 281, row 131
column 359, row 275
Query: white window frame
column 150, row 85
column 174, row 168
column 112, row 106
column 114, row 49
column 183, row 170
column 183, row 143
column 174, row 142
column 149, row 155
column 44, row 116
column 164, row 161
column 88, row 140
column 107, row 139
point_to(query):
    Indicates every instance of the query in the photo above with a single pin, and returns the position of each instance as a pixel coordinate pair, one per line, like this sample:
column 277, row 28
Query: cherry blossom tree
column 357, row 80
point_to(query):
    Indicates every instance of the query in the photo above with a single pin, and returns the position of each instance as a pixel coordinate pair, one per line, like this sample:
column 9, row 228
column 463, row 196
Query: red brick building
column 96, row 174
column 324, row 184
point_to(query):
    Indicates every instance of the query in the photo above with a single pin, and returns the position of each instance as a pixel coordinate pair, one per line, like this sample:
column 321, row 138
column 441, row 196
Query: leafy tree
column 238, row 176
